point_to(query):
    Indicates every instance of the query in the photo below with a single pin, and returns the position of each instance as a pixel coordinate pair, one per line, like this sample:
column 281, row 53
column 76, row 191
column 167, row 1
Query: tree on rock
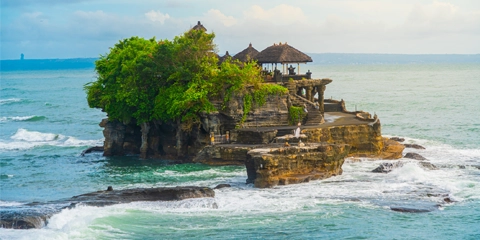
column 143, row 80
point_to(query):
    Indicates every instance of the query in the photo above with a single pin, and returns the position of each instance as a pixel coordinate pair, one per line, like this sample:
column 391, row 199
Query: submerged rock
column 387, row 167
column 223, row 185
column 109, row 197
column 410, row 210
column 92, row 149
column 36, row 215
column 416, row 146
column 415, row 156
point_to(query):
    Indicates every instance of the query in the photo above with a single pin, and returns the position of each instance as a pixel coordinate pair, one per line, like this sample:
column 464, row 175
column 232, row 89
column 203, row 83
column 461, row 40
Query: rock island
column 179, row 100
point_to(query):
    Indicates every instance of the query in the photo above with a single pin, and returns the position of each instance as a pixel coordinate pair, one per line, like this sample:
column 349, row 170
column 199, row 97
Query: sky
column 88, row 28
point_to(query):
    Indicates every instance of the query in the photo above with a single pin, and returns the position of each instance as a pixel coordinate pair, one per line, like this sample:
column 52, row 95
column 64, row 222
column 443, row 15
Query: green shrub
column 295, row 115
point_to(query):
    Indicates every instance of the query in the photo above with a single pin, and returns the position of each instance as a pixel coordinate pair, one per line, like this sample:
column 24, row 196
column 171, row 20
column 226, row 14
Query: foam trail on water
column 19, row 119
column 9, row 204
column 24, row 139
column 9, row 100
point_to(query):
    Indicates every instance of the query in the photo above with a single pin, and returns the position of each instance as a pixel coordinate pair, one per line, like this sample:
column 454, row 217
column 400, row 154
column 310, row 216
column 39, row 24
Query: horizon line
column 403, row 54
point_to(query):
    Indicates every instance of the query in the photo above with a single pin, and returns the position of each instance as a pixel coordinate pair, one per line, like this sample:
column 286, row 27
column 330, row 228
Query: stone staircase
column 314, row 116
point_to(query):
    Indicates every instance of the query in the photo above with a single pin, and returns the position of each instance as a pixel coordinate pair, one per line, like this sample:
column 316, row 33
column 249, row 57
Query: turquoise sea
column 45, row 123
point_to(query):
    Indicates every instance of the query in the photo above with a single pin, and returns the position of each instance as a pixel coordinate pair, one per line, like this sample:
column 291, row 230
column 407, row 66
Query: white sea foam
column 9, row 100
column 9, row 203
column 24, row 139
column 17, row 118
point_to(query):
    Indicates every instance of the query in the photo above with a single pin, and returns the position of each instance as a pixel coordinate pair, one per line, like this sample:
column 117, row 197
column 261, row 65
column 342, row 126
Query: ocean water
column 45, row 123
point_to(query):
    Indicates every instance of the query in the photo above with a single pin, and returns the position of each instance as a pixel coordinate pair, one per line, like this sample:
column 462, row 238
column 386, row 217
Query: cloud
column 157, row 16
column 47, row 28
column 440, row 18
column 215, row 14
column 278, row 15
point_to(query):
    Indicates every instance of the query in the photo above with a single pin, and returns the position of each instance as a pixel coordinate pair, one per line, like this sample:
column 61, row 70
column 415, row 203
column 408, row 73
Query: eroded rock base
column 268, row 167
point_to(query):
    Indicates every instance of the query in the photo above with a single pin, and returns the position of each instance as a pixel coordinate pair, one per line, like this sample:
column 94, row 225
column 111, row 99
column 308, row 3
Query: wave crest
column 9, row 101
column 24, row 139
column 32, row 118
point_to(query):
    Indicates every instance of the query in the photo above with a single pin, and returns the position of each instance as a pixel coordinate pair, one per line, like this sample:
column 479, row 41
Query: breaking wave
column 24, row 139
column 10, row 101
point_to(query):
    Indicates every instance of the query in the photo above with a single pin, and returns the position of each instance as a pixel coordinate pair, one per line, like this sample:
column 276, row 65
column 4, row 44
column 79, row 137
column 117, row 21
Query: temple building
column 223, row 58
column 247, row 54
column 284, row 54
column 199, row 26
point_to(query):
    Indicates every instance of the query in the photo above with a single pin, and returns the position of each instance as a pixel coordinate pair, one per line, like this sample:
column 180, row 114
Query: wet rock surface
column 92, row 149
column 411, row 210
column 415, row 156
column 415, row 146
column 388, row 167
column 223, row 185
column 36, row 215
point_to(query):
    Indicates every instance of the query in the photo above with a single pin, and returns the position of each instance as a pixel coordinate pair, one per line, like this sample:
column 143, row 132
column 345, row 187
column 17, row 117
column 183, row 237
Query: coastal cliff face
column 165, row 141
column 290, row 165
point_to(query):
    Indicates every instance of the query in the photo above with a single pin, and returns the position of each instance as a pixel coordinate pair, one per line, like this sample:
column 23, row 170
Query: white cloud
column 157, row 16
column 215, row 14
column 279, row 15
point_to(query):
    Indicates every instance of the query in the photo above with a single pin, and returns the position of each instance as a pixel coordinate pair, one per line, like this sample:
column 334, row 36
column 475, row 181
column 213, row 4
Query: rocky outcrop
column 92, row 149
column 415, row 156
column 387, row 167
column 36, row 215
column 268, row 167
column 109, row 197
column 176, row 141
column 365, row 139
column 391, row 149
column 415, row 146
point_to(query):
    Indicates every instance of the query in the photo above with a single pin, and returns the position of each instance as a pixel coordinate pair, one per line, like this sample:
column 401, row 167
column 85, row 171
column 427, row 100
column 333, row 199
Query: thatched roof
column 199, row 26
column 247, row 54
column 224, row 57
column 282, row 53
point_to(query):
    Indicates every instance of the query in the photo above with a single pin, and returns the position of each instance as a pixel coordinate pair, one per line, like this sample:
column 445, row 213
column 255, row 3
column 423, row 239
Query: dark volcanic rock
column 223, row 185
column 410, row 210
column 398, row 139
column 415, row 156
column 387, row 167
column 109, row 197
column 416, row 146
column 92, row 149
column 36, row 215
